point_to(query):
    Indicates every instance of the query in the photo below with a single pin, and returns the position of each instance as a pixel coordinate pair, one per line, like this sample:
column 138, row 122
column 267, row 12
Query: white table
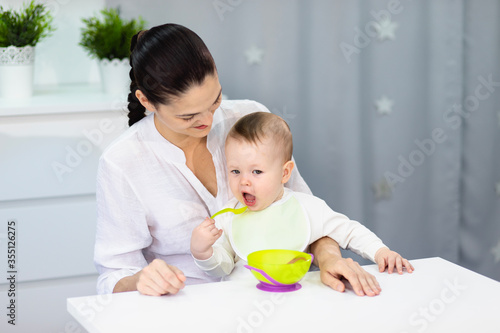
column 438, row 297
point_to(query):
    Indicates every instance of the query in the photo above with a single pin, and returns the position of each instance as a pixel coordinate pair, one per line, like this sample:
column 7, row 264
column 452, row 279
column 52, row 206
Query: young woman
column 167, row 172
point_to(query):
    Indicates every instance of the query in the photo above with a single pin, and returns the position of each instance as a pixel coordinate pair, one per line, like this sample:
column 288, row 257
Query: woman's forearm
column 325, row 249
column 128, row 283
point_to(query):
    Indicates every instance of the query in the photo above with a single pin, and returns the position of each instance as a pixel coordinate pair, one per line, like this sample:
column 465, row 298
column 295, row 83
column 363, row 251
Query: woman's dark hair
column 166, row 61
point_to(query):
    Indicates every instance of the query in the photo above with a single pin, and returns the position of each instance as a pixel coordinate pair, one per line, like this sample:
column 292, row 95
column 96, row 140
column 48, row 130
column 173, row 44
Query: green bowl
column 285, row 267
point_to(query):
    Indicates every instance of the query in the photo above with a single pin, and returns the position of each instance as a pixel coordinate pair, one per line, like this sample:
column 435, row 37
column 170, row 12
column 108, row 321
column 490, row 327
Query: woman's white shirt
column 149, row 201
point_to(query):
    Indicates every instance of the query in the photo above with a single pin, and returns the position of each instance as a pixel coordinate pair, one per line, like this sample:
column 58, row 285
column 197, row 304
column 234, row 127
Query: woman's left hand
column 334, row 268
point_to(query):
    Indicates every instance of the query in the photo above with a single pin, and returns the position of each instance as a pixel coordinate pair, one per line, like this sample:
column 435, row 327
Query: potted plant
column 20, row 31
column 108, row 40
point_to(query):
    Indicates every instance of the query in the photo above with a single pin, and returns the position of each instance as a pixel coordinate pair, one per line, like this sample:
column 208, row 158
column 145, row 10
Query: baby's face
column 255, row 172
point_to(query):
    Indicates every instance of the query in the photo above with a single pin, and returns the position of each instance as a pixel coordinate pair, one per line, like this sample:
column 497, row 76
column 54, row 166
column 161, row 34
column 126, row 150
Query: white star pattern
column 383, row 190
column 285, row 114
column 386, row 29
column 384, row 105
column 496, row 252
column 254, row 55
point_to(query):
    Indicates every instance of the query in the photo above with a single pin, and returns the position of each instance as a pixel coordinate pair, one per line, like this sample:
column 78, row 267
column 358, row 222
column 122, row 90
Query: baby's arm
column 384, row 257
column 359, row 239
column 202, row 239
column 216, row 260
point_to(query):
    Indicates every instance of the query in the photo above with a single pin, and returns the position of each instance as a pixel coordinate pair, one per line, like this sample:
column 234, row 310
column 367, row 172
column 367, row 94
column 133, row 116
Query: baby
column 259, row 160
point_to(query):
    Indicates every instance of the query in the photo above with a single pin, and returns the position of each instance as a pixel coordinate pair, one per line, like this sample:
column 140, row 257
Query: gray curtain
column 394, row 107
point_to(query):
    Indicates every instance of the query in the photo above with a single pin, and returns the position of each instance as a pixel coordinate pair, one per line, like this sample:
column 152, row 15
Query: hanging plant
column 110, row 37
column 25, row 27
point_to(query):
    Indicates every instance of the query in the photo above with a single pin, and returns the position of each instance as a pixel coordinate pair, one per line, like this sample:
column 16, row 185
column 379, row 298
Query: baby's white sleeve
column 221, row 263
column 350, row 234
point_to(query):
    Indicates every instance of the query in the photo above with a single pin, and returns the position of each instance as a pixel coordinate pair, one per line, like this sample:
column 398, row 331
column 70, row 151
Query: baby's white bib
column 283, row 225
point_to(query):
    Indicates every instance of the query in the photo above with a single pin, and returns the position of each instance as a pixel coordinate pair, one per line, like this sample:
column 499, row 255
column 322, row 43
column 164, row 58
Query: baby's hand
column 390, row 259
column 202, row 239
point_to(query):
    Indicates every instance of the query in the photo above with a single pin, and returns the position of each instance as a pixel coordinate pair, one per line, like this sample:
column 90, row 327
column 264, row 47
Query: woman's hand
column 333, row 268
column 390, row 259
column 202, row 239
column 362, row 282
column 158, row 278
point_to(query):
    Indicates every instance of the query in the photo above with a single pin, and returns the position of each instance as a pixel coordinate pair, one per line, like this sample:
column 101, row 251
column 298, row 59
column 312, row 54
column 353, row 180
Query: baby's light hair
column 257, row 126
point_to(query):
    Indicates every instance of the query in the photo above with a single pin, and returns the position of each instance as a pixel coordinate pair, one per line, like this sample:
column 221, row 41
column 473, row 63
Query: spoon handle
column 264, row 274
column 234, row 210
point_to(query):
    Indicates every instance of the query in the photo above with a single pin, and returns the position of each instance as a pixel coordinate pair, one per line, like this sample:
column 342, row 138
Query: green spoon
column 234, row 210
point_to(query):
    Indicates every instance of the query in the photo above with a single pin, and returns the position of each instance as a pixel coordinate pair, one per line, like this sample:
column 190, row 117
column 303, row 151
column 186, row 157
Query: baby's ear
column 287, row 171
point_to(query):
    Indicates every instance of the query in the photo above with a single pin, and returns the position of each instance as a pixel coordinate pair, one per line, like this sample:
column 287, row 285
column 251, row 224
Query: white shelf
column 68, row 98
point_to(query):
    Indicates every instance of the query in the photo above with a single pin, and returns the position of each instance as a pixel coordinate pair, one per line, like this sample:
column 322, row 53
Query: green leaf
column 28, row 26
column 109, row 37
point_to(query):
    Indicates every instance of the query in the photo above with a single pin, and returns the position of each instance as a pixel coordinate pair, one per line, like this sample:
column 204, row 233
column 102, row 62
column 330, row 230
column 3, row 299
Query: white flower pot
column 115, row 76
column 16, row 71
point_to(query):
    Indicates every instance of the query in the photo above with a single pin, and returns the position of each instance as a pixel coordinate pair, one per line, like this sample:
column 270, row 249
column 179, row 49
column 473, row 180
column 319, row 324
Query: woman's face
column 191, row 114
